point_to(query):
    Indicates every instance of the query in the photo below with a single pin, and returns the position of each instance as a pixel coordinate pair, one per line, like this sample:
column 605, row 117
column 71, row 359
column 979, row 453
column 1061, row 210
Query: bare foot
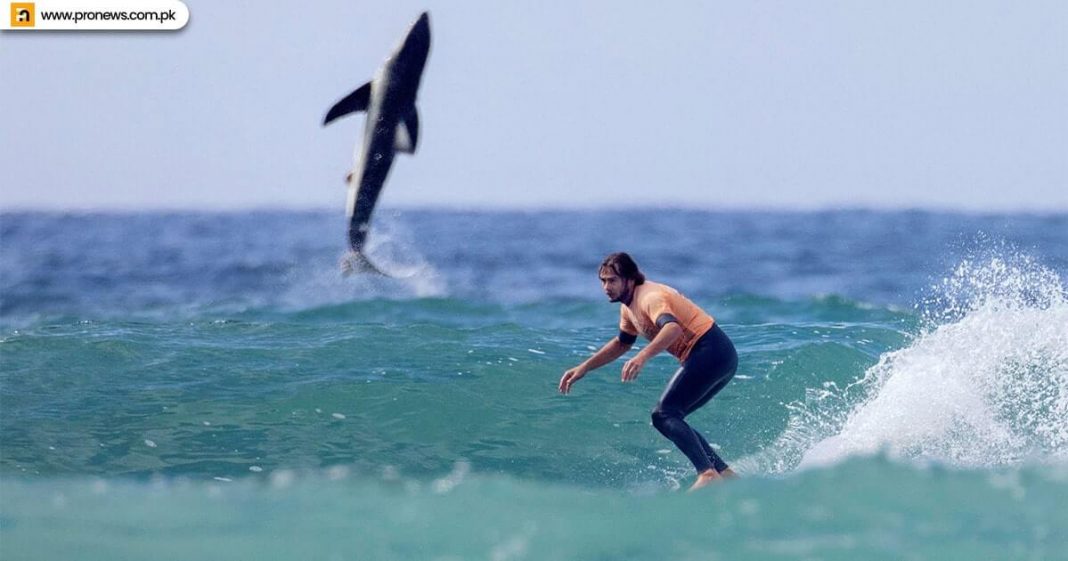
column 704, row 478
column 728, row 474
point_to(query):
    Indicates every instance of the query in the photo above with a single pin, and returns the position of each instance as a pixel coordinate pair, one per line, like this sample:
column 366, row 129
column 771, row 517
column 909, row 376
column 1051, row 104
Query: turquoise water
column 347, row 385
column 870, row 509
column 177, row 387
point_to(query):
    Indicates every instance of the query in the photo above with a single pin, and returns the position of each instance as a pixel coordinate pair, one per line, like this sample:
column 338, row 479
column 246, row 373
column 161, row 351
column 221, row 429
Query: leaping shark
column 392, row 126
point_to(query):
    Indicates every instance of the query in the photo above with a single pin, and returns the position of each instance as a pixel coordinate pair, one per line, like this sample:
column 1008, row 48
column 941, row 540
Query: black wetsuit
column 709, row 367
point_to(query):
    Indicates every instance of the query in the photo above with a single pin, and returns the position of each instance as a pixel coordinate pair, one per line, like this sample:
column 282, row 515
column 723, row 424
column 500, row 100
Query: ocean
column 198, row 385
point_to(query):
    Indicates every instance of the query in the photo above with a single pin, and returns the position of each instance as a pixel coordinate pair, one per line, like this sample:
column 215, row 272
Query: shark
column 392, row 127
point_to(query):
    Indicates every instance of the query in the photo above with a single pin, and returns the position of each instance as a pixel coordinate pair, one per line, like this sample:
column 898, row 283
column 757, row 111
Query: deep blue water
column 91, row 265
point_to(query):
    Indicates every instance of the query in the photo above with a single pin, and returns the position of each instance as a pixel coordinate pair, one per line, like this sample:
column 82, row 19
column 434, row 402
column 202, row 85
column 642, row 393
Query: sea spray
column 984, row 382
column 392, row 248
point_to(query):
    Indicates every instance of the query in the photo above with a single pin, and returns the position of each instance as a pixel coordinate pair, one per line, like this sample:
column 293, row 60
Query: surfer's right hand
column 570, row 377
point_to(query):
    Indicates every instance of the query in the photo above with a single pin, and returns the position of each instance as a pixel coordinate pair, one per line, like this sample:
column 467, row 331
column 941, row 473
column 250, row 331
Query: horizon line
column 535, row 209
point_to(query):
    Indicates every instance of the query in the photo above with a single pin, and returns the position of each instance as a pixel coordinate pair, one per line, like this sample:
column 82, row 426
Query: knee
column 661, row 418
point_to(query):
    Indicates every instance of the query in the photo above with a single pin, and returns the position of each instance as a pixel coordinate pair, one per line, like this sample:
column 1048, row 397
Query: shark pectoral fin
column 402, row 140
column 355, row 101
column 407, row 133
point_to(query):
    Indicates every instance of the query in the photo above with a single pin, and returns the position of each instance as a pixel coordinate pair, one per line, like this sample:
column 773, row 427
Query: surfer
column 673, row 323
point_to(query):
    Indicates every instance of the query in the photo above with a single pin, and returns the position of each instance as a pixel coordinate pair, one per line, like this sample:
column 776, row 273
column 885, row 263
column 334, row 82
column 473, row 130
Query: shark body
column 392, row 126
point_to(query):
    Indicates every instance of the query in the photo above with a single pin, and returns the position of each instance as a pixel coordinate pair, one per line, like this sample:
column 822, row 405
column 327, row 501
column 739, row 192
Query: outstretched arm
column 609, row 352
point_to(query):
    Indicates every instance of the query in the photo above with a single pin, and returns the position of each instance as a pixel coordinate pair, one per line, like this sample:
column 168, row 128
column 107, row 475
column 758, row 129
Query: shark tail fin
column 355, row 262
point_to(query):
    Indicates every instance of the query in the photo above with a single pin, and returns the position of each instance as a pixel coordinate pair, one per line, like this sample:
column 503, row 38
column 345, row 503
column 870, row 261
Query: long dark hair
column 623, row 265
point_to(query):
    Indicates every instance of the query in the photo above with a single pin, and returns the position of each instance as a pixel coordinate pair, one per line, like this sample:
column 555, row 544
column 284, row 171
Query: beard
column 623, row 297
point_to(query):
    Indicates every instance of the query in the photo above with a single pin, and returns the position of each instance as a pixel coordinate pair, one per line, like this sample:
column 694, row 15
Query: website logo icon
column 23, row 14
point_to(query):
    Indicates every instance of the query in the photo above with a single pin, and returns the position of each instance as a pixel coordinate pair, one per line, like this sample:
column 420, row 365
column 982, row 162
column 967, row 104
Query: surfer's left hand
column 632, row 368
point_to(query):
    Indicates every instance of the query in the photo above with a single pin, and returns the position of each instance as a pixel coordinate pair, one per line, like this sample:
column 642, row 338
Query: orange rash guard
column 650, row 301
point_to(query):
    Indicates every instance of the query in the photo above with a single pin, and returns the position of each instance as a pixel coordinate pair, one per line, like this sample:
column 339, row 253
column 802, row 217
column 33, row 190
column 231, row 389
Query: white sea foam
column 459, row 472
column 984, row 383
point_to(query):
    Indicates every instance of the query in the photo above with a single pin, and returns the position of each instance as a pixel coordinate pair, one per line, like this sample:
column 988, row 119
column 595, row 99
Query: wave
column 984, row 382
column 415, row 384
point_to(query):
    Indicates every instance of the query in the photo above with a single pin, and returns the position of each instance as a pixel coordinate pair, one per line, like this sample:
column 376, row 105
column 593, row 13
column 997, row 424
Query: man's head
column 619, row 275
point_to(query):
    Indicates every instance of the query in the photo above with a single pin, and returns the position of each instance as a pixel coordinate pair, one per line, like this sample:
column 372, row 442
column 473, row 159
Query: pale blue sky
column 783, row 104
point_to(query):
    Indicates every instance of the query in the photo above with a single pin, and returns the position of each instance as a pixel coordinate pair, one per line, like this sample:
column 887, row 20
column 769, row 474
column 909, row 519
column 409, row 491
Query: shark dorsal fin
column 407, row 136
column 355, row 101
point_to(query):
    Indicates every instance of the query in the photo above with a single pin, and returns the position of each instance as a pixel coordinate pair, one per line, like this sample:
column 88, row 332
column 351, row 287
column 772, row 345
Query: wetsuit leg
column 707, row 370
column 717, row 462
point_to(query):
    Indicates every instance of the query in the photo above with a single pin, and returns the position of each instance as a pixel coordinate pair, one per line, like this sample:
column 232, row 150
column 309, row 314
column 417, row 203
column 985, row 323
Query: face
column 616, row 288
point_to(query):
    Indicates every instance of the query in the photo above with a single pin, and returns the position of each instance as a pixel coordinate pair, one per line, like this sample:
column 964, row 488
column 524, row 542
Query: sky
column 950, row 105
